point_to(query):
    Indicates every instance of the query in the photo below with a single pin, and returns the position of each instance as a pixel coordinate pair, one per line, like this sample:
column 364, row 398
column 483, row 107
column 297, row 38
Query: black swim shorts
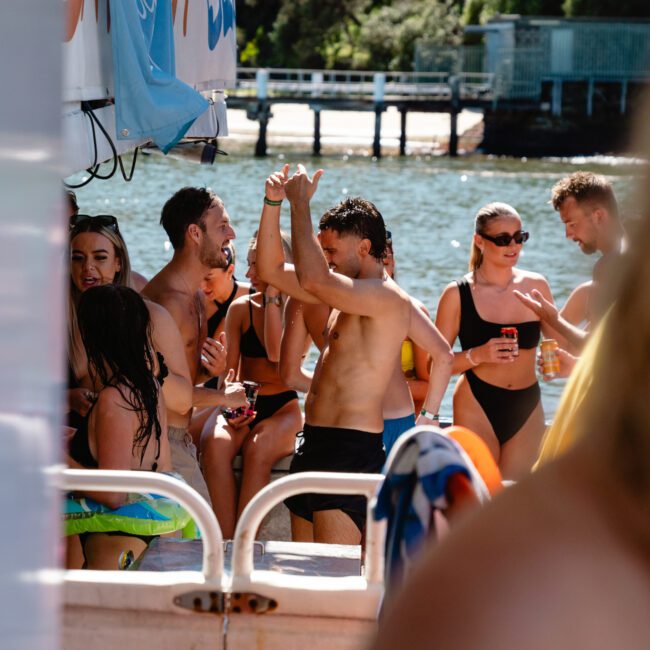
column 331, row 449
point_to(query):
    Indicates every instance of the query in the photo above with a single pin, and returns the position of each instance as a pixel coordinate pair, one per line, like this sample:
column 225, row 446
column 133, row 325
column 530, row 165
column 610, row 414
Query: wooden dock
column 339, row 90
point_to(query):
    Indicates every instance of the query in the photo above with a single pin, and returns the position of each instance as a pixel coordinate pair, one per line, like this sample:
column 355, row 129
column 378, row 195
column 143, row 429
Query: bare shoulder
column 420, row 305
column 530, row 277
column 138, row 281
column 241, row 302
column 583, row 289
column 113, row 400
column 450, row 295
column 157, row 312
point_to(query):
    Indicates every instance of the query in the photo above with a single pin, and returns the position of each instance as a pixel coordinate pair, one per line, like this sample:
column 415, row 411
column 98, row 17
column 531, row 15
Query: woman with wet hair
column 497, row 395
column 127, row 419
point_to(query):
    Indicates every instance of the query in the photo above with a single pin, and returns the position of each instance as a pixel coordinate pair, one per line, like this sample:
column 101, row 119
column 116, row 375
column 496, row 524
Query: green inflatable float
column 141, row 514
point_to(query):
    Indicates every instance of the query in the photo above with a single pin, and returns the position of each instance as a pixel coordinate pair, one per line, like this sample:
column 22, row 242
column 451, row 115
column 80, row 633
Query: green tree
column 305, row 29
column 387, row 38
column 384, row 37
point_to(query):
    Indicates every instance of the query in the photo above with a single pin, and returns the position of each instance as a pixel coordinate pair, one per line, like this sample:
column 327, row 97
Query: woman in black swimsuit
column 127, row 421
column 497, row 395
column 221, row 290
column 253, row 331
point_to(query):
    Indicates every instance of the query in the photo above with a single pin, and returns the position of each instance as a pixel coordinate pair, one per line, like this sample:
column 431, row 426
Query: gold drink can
column 550, row 358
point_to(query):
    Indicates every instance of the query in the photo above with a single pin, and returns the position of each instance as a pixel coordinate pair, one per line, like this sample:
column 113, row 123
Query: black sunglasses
column 519, row 237
column 106, row 220
column 389, row 237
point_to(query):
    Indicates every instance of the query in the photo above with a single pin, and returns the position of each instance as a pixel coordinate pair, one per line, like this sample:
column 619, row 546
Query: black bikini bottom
column 268, row 405
column 506, row 409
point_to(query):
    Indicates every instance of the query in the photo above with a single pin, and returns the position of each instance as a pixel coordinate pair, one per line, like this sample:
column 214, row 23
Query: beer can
column 550, row 358
column 511, row 333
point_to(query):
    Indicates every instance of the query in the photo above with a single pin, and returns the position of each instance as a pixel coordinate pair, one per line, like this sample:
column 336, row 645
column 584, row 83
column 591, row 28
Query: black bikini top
column 475, row 331
column 250, row 344
column 222, row 308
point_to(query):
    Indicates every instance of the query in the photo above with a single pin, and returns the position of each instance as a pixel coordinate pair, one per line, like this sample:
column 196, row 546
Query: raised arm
column 424, row 334
column 295, row 343
column 271, row 265
column 366, row 297
column 273, row 304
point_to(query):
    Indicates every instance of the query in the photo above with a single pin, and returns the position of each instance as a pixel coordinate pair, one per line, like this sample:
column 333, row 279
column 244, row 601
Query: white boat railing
column 320, row 483
column 136, row 481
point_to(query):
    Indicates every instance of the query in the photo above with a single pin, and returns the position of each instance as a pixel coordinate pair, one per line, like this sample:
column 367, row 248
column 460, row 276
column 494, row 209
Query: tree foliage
column 387, row 38
column 381, row 34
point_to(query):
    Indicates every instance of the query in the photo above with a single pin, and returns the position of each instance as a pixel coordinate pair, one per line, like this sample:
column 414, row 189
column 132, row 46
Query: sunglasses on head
column 106, row 220
column 504, row 240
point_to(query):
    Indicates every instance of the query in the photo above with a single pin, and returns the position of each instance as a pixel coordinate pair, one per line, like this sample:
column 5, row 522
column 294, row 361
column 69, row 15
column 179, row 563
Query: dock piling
column 454, row 85
column 376, row 143
column 316, row 149
column 402, row 135
column 263, row 116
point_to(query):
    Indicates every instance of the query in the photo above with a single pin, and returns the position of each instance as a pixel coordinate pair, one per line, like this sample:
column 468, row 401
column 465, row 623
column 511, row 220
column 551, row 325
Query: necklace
column 498, row 288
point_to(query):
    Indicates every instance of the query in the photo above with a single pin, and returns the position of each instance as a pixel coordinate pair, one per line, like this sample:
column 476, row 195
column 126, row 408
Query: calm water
column 428, row 203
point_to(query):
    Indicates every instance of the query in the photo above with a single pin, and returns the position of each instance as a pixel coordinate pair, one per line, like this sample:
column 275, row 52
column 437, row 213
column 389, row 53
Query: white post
column 32, row 253
column 379, row 81
column 262, row 79
column 316, row 84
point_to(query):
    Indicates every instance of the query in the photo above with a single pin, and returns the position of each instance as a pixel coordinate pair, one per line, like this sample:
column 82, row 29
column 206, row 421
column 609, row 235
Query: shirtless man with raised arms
column 370, row 318
column 198, row 228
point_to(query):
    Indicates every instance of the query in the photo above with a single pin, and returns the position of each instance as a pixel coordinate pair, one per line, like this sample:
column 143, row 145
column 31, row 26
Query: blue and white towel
column 150, row 102
column 417, row 471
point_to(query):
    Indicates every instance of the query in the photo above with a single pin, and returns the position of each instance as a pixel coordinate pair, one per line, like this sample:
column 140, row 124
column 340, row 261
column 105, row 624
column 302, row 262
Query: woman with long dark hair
column 127, row 420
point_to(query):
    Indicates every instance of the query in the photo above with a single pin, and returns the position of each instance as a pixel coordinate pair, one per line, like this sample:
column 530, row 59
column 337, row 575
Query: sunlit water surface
column 428, row 202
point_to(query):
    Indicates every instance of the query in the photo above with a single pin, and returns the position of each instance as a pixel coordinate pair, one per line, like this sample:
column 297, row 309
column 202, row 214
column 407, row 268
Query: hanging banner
column 204, row 42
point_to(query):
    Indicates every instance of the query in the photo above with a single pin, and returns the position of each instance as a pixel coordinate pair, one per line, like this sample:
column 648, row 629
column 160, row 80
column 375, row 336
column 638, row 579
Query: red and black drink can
column 511, row 333
column 251, row 388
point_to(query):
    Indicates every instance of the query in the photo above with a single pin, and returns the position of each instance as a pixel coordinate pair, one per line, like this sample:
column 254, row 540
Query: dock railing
column 263, row 83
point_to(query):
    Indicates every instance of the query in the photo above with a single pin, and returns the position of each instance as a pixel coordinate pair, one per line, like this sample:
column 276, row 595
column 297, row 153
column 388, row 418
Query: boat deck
column 288, row 558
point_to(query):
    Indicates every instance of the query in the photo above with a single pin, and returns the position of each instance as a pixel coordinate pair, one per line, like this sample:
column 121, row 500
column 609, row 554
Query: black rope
column 93, row 170
column 130, row 176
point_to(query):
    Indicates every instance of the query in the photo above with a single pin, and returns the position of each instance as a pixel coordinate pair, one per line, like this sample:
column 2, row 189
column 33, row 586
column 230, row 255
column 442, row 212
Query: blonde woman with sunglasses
column 497, row 395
